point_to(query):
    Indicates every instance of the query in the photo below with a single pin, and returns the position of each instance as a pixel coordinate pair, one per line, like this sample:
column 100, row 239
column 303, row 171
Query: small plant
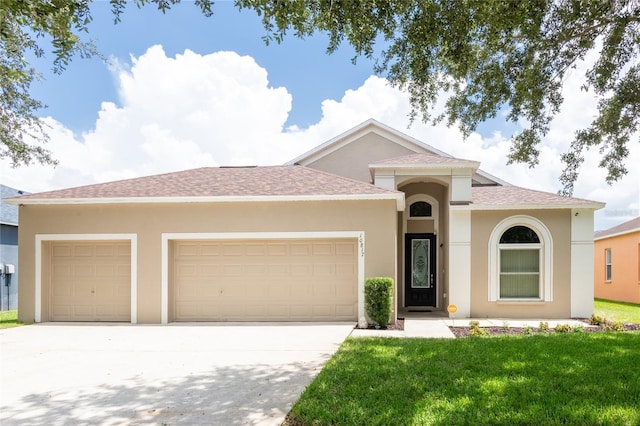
column 543, row 327
column 377, row 299
column 527, row 330
column 614, row 326
column 476, row 330
column 505, row 325
column 577, row 329
column 597, row 320
column 563, row 328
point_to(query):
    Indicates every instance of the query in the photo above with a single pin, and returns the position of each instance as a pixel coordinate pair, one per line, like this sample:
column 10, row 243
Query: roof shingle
column 220, row 182
column 623, row 228
column 425, row 159
column 517, row 197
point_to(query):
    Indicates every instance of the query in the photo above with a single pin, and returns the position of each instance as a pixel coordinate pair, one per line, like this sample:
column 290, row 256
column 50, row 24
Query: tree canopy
column 485, row 56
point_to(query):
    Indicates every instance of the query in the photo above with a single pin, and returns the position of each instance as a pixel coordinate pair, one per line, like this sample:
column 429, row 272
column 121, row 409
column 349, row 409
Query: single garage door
column 265, row 280
column 90, row 281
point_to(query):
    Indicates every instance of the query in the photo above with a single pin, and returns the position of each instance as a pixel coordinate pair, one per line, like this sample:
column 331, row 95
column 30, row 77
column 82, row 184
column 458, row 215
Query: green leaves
column 24, row 25
column 491, row 56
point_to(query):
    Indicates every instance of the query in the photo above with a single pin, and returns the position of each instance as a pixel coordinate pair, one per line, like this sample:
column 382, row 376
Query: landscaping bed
column 498, row 331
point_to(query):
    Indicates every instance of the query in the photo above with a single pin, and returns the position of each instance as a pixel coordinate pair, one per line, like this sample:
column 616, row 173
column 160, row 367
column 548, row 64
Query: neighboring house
column 617, row 262
column 8, row 249
column 296, row 242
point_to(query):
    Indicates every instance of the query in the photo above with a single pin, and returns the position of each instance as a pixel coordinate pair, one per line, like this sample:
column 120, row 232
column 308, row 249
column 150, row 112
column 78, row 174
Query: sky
column 181, row 91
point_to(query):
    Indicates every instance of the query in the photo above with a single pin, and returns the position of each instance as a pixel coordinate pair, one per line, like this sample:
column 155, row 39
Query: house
column 617, row 262
column 296, row 242
column 8, row 249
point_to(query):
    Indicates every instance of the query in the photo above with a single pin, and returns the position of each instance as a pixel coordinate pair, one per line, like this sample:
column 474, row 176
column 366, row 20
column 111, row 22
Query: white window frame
column 546, row 255
column 608, row 268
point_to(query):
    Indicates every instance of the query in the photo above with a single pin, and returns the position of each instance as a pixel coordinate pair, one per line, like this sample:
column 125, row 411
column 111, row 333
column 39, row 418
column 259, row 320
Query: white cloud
column 219, row 109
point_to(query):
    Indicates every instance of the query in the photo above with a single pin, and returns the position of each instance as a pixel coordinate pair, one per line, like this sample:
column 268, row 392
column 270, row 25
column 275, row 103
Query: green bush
column 563, row 328
column 614, row 326
column 475, row 329
column 543, row 327
column 597, row 320
column 377, row 299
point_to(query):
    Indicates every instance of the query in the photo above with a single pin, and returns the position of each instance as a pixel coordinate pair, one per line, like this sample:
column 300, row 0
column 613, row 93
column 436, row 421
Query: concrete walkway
column 439, row 327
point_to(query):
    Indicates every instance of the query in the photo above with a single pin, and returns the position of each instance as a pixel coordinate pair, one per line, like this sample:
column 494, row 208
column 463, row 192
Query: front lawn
column 619, row 311
column 578, row 378
column 9, row 319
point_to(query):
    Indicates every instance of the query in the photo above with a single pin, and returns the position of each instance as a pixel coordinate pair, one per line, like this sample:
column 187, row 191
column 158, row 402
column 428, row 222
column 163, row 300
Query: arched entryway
column 421, row 241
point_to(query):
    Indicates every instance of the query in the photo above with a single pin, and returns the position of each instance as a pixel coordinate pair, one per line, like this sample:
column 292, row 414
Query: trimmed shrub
column 563, row 328
column 597, row 320
column 614, row 326
column 378, row 293
column 475, row 329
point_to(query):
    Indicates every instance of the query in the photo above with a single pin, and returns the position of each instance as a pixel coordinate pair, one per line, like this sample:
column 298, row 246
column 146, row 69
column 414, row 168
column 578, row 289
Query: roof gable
column 355, row 133
column 411, row 146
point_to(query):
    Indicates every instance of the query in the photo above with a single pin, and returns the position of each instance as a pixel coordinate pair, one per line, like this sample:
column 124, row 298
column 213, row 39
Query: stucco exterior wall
column 625, row 269
column 353, row 159
column 376, row 219
column 559, row 224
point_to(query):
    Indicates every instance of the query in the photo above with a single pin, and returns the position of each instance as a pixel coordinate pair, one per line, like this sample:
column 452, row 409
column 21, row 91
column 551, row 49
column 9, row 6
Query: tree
column 489, row 56
column 486, row 55
column 23, row 24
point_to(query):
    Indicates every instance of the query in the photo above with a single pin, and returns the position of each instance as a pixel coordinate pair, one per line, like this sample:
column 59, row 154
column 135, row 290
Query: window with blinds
column 520, row 252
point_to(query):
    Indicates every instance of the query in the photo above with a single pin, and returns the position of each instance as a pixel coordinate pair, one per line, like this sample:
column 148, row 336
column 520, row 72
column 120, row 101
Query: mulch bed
column 398, row 325
column 496, row 331
column 463, row 331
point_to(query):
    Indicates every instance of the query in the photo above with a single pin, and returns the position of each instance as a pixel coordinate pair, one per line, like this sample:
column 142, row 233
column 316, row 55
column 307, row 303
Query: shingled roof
column 624, row 228
column 505, row 197
column 219, row 183
column 424, row 160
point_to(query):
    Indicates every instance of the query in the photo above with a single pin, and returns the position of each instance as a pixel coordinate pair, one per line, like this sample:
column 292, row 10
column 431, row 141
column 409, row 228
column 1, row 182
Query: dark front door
column 420, row 270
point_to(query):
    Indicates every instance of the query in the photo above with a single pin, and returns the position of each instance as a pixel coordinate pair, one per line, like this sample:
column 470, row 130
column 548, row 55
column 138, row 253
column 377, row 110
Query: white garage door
column 265, row 280
column 90, row 281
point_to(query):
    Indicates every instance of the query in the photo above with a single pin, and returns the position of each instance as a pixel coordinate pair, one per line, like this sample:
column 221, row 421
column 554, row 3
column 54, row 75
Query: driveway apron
column 215, row 374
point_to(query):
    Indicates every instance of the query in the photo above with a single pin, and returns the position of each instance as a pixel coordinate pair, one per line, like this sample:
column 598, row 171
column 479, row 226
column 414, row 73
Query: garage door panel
column 324, row 249
column 275, row 280
column 300, row 270
column 90, row 281
column 274, row 249
column 299, row 249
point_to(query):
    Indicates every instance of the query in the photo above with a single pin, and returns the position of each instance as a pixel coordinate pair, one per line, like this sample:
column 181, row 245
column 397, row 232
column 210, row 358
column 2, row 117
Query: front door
column 420, row 270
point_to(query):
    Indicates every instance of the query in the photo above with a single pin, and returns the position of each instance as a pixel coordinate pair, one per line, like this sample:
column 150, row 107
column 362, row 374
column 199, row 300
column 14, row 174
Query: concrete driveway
column 215, row 374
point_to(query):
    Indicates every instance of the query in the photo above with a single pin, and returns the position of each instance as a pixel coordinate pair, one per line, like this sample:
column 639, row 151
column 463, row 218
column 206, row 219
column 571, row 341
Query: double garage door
column 264, row 280
column 221, row 280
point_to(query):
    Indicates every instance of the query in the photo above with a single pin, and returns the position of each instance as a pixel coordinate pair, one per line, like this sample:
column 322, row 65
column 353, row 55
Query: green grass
column 9, row 319
column 581, row 378
column 618, row 311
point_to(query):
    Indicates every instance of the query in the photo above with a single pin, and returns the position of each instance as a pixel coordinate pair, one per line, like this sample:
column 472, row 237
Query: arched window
column 420, row 209
column 520, row 261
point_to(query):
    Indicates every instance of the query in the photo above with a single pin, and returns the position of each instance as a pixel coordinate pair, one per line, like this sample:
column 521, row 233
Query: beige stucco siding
column 559, row 224
column 149, row 221
column 353, row 159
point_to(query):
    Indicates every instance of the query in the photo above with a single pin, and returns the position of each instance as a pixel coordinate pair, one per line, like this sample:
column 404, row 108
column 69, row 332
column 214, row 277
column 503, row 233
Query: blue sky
column 181, row 90
column 303, row 66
